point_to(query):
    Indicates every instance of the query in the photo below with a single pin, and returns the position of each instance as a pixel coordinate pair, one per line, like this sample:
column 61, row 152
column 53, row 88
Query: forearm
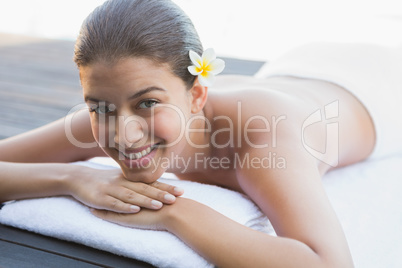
column 96, row 188
column 229, row 244
column 21, row 181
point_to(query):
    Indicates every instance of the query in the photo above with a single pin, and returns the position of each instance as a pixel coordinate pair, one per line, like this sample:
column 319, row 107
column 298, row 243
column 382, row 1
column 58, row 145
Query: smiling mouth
column 138, row 155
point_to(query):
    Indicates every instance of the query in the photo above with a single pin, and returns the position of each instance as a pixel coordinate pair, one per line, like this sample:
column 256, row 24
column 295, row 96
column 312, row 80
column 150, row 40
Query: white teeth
column 140, row 154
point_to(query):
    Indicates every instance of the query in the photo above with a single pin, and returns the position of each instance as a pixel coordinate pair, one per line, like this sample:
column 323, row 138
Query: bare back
column 289, row 101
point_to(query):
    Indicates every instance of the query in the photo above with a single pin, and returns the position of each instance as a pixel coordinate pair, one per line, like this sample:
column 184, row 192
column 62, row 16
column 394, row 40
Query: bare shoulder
column 248, row 96
column 262, row 127
column 259, row 115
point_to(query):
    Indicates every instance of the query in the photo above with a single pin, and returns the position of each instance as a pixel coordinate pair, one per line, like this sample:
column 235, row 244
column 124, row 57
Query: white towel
column 367, row 198
column 67, row 219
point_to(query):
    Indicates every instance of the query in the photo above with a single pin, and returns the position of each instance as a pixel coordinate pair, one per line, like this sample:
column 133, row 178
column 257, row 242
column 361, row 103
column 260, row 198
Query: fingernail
column 135, row 208
column 156, row 204
column 169, row 197
column 178, row 190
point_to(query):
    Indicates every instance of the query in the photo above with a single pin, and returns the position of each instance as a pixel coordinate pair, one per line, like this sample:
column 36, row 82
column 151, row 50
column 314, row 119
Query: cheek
column 169, row 125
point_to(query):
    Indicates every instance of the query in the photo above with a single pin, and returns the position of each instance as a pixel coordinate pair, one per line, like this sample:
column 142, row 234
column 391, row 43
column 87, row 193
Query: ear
column 199, row 94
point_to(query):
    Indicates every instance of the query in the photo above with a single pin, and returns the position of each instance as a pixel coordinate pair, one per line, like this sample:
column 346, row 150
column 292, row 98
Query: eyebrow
column 134, row 96
column 145, row 91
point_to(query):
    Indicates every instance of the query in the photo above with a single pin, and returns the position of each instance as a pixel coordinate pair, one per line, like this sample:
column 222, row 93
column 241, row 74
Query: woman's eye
column 147, row 104
column 102, row 109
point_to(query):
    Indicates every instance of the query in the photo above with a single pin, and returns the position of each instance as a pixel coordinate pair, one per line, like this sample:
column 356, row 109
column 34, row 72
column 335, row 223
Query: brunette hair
column 155, row 29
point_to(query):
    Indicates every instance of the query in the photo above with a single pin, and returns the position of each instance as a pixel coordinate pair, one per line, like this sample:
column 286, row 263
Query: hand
column 109, row 190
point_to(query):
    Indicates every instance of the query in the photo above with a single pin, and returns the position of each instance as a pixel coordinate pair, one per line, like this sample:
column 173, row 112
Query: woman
column 149, row 105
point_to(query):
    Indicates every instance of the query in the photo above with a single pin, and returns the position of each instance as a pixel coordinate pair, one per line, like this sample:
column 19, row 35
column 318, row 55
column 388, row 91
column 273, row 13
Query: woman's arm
column 296, row 203
column 52, row 142
column 309, row 234
column 20, row 181
column 28, row 170
column 227, row 243
column 306, row 239
column 219, row 239
column 102, row 189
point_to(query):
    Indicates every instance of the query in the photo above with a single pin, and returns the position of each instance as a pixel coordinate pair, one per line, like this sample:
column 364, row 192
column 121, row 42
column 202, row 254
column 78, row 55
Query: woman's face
column 138, row 112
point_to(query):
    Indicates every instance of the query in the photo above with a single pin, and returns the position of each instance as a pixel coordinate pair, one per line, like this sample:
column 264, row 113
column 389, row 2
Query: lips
column 133, row 156
column 139, row 153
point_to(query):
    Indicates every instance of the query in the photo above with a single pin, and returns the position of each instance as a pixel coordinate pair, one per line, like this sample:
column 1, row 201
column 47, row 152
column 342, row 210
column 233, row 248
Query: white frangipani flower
column 206, row 67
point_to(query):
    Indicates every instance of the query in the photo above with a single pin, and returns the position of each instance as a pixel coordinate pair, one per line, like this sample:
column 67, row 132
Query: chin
column 146, row 169
column 142, row 175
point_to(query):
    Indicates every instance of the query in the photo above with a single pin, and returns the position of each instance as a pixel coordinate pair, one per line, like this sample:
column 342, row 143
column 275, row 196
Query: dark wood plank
column 241, row 67
column 16, row 256
column 39, row 82
column 68, row 251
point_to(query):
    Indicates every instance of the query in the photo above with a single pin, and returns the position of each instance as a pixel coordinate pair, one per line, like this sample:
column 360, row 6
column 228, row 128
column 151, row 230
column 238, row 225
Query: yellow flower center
column 204, row 68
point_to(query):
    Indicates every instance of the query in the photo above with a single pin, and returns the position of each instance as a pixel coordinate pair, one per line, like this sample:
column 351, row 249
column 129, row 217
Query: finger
column 174, row 190
column 129, row 196
column 152, row 191
column 156, row 196
column 116, row 205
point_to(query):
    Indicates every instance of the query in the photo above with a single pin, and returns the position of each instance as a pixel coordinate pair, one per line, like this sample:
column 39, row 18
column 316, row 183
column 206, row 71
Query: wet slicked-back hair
column 155, row 29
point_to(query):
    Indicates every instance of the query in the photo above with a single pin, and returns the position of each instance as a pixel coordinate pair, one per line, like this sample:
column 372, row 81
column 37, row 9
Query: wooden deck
column 39, row 83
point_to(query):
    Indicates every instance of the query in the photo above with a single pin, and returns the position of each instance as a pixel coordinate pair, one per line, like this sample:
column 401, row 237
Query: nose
column 129, row 131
